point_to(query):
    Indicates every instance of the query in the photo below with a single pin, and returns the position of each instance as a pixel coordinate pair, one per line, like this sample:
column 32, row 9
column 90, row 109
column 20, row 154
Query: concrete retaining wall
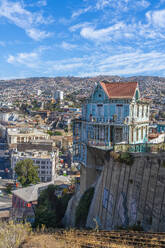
column 129, row 194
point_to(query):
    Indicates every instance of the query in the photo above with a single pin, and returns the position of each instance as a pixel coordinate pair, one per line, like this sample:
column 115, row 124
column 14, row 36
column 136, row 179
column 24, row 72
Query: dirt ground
column 51, row 241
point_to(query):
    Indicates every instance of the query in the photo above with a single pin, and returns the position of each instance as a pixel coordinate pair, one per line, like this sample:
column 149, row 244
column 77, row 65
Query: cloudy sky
column 81, row 38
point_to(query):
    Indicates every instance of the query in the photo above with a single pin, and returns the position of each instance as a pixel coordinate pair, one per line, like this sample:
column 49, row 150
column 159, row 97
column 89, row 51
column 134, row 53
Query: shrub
column 126, row 158
column 50, row 208
column 12, row 235
column 115, row 155
column 83, row 208
column 58, row 133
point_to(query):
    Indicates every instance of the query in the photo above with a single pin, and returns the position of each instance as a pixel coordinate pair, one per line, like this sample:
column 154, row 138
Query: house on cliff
column 114, row 114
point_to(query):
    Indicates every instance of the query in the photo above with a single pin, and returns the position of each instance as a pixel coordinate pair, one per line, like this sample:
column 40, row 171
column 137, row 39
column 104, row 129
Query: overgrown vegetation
column 26, row 172
column 50, row 209
column 83, row 208
column 51, row 133
column 12, row 235
column 123, row 157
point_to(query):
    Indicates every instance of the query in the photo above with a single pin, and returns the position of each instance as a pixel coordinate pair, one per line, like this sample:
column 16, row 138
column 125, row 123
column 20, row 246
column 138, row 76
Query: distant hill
column 71, row 84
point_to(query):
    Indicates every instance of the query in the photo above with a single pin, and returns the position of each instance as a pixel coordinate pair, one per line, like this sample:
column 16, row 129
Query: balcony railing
column 144, row 147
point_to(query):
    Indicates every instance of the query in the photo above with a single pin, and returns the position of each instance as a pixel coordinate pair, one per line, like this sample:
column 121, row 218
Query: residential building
column 59, row 95
column 45, row 162
column 24, row 201
column 115, row 113
column 24, row 135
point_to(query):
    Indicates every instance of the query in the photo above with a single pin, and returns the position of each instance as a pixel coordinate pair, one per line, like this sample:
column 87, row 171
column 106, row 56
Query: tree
column 26, row 172
column 50, row 208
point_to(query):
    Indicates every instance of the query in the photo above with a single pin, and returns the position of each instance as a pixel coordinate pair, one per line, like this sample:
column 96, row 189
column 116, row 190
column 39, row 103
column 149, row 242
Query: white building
column 59, row 95
column 45, row 161
column 17, row 135
column 39, row 92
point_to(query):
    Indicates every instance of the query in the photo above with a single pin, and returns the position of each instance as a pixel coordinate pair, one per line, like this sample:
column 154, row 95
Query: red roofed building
column 119, row 90
column 114, row 114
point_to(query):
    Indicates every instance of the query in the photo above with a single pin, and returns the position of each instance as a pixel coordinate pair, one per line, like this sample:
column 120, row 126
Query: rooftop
column 119, row 90
column 30, row 193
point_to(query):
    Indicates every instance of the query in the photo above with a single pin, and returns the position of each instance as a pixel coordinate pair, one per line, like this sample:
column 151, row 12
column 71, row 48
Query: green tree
column 50, row 208
column 26, row 172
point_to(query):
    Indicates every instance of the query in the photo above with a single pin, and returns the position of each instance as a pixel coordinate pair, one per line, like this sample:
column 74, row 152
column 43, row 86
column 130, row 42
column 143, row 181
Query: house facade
column 115, row 113
column 44, row 161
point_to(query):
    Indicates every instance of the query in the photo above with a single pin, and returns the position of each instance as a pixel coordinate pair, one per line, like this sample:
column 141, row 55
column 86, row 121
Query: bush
column 50, row 209
column 83, row 208
column 126, row 158
column 12, row 235
column 123, row 157
column 58, row 133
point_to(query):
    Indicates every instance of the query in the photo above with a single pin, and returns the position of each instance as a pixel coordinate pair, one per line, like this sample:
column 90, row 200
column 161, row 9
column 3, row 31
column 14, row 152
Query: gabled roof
column 121, row 90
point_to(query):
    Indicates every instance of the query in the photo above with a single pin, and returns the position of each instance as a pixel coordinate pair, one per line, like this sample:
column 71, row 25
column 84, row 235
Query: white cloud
column 142, row 3
column 80, row 12
column 28, row 59
column 79, row 25
column 100, row 34
column 36, row 34
column 156, row 18
column 126, row 64
column 123, row 5
column 68, row 46
column 18, row 15
column 100, row 4
column 66, row 67
column 41, row 3
column 105, row 63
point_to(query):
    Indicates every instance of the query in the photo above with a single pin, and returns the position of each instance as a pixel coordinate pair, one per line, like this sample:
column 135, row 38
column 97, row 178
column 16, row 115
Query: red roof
column 119, row 90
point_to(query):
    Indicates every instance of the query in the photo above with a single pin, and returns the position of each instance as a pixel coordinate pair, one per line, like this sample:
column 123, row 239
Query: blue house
column 114, row 114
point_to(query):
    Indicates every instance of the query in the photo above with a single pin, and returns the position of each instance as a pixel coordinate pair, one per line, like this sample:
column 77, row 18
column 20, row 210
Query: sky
column 49, row 38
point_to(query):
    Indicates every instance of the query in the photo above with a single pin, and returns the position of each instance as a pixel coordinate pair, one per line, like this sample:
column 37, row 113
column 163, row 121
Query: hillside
column 89, row 239
column 73, row 84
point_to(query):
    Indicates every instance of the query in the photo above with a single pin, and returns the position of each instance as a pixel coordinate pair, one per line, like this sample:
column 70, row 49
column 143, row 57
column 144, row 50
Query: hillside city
column 54, row 124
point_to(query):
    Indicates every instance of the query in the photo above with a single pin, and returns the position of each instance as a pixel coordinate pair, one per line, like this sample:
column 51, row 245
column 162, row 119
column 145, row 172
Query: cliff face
column 129, row 194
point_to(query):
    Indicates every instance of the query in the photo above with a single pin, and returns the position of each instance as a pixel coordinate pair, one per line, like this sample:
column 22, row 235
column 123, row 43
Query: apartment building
column 45, row 162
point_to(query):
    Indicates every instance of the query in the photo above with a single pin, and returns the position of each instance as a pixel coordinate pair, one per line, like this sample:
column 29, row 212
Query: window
column 37, row 162
column 42, row 167
column 142, row 111
column 147, row 111
column 137, row 110
column 132, row 110
column 43, row 162
column 137, row 134
column 141, row 132
column 132, row 135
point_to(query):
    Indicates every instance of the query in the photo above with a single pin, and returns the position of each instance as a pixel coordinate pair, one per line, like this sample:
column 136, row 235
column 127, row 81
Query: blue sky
column 81, row 38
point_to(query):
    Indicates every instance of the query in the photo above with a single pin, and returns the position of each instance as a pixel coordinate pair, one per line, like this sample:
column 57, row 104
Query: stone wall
column 128, row 194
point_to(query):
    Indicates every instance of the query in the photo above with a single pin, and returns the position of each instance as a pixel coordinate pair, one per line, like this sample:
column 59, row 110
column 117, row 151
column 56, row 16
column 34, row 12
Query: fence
column 146, row 147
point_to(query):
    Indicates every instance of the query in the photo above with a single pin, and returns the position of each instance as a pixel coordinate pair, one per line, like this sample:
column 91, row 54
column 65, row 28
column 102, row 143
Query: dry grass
column 20, row 236
column 68, row 239
column 49, row 241
column 90, row 239
column 12, row 235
